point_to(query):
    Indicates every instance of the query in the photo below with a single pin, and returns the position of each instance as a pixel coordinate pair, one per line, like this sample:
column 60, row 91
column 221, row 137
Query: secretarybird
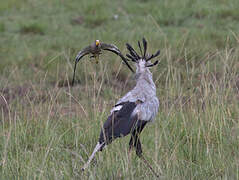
column 95, row 50
column 134, row 110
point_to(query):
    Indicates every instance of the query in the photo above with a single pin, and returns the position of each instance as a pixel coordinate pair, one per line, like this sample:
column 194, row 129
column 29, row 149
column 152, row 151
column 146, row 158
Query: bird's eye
column 97, row 42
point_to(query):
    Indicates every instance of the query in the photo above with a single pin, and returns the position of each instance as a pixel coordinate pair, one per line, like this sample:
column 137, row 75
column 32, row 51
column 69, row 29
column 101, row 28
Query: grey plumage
column 144, row 91
column 134, row 110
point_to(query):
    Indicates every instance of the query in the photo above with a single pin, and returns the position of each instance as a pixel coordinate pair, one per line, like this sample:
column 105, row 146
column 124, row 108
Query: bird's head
column 142, row 61
column 97, row 43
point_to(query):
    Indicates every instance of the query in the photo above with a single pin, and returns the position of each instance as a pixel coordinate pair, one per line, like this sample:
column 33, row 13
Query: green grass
column 48, row 129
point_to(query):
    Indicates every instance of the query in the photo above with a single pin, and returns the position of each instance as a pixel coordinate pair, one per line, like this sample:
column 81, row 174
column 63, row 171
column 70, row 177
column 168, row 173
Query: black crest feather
column 132, row 51
column 145, row 46
column 140, row 48
column 153, row 55
column 133, row 55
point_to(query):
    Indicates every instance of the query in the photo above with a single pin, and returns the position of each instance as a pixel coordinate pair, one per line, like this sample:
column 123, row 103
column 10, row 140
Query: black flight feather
column 132, row 51
column 131, row 57
column 119, row 123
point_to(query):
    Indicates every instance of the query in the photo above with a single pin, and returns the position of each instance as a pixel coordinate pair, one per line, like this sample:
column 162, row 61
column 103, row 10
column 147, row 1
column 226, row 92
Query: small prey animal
column 95, row 50
column 134, row 110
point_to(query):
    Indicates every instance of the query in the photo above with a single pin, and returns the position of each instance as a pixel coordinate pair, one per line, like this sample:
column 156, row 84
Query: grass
column 48, row 129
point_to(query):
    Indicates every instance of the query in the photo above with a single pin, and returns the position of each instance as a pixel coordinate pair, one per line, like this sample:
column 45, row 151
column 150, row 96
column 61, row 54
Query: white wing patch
column 117, row 108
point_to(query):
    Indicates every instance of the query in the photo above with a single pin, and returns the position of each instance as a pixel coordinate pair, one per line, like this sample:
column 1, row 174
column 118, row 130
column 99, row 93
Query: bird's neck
column 144, row 80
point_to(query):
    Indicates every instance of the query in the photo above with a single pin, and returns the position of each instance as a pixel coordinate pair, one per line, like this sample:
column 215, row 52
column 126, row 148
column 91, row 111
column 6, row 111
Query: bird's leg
column 130, row 152
column 149, row 166
column 97, row 148
column 139, row 153
column 129, row 159
column 97, row 58
column 131, row 144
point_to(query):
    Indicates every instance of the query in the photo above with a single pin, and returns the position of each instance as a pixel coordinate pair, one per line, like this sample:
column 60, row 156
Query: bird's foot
column 129, row 159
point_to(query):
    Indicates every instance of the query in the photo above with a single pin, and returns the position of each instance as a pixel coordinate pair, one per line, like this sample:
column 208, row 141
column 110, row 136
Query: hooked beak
column 97, row 42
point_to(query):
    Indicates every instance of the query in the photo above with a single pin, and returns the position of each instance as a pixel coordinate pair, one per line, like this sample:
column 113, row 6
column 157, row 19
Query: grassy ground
column 48, row 129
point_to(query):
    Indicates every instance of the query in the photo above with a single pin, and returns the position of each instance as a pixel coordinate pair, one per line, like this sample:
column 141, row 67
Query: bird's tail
column 97, row 148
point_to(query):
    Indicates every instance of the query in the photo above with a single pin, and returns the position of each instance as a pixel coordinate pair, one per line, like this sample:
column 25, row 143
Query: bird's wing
column 110, row 47
column 147, row 110
column 114, row 49
column 80, row 55
column 119, row 123
column 131, row 96
column 124, row 118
